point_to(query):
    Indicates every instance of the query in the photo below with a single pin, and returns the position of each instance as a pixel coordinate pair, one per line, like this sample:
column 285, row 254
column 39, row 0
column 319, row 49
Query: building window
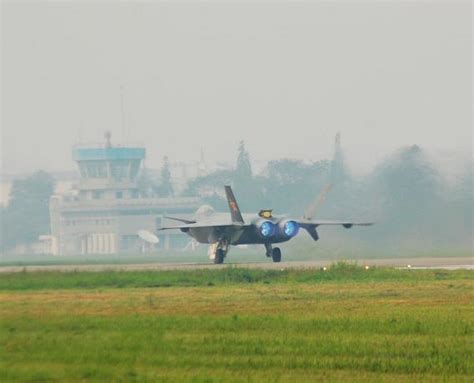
column 83, row 170
column 119, row 169
column 96, row 194
column 134, row 168
column 96, row 169
column 119, row 195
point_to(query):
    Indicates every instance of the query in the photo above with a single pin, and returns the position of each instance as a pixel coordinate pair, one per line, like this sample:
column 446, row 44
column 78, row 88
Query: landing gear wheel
column 219, row 258
column 276, row 254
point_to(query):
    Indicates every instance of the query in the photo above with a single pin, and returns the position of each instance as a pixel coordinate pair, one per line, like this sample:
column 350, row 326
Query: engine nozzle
column 289, row 228
column 266, row 229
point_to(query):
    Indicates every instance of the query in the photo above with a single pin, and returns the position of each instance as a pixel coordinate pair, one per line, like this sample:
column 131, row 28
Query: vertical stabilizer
column 312, row 209
column 233, row 207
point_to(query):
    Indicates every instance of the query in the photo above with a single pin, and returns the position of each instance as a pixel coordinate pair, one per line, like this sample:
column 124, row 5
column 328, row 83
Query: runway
column 447, row 263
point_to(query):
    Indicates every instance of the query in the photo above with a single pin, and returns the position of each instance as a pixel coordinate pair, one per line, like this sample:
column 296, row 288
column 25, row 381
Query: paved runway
column 449, row 263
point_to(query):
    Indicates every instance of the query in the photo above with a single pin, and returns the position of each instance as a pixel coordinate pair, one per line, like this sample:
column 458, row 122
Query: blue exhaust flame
column 267, row 229
column 291, row 228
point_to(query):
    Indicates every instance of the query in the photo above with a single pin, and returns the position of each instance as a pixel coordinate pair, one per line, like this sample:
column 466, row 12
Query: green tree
column 290, row 185
column 407, row 199
column 27, row 214
column 165, row 188
column 340, row 202
column 248, row 188
column 146, row 184
column 210, row 183
column 339, row 172
column 458, row 210
column 243, row 169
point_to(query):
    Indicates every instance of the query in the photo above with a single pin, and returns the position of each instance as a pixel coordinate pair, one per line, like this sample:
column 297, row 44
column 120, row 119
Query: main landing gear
column 219, row 258
column 275, row 253
column 218, row 251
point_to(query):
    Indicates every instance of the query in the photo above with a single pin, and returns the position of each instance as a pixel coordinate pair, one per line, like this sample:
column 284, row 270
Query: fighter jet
column 222, row 231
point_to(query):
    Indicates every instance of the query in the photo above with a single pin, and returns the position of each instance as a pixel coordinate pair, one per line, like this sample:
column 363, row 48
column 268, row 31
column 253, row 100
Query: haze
column 284, row 77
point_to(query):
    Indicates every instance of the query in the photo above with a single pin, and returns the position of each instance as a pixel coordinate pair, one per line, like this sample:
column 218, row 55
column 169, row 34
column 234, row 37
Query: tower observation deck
column 108, row 169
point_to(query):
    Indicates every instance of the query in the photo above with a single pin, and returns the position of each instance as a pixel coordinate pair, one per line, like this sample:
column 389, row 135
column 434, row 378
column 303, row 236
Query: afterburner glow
column 267, row 229
column 291, row 228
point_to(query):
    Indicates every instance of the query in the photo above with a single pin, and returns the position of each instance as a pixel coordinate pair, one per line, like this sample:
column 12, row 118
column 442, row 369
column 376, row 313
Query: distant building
column 107, row 210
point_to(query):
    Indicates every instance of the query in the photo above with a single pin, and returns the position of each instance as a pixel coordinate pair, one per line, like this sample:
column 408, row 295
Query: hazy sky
column 284, row 77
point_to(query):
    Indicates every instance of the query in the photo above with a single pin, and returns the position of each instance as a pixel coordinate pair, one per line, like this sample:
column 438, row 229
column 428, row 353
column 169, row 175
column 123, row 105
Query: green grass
column 340, row 271
column 344, row 324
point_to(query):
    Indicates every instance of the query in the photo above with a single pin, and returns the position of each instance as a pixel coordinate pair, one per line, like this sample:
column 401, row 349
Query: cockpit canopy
column 265, row 213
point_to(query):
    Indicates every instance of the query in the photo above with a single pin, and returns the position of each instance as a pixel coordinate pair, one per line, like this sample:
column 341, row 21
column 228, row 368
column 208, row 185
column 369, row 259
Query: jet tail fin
column 235, row 213
column 317, row 202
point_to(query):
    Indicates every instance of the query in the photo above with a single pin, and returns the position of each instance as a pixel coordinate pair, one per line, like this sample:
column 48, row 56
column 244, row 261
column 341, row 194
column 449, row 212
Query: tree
column 340, row 202
column 27, row 215
column 287, row 185
column 464, row 198
column 338, row 169
column 146, row 184
column 407, row 198
column 210, row 183
column 248, row 189
column 165, row 188
column 243, row 168
column 290, row 185
column 458, row 209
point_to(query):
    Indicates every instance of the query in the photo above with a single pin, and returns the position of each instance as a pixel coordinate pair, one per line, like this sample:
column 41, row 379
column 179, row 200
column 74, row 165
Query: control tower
column 108, row 172
column 105, row 212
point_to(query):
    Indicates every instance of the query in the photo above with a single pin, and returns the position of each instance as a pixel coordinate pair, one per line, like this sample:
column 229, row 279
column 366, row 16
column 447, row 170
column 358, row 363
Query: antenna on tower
column 202, row 167
column 108, row 136
column 337, row 140
column 79, row 136
column 122, row 114
column 80, row 131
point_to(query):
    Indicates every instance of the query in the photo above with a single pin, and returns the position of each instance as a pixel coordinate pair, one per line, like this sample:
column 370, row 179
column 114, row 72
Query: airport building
column 104, row 213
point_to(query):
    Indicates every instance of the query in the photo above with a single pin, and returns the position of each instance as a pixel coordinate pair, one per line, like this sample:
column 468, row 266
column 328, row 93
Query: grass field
column 344, row 324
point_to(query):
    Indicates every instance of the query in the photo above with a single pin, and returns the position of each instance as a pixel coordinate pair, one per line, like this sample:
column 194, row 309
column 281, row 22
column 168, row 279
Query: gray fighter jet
column 221, row 231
